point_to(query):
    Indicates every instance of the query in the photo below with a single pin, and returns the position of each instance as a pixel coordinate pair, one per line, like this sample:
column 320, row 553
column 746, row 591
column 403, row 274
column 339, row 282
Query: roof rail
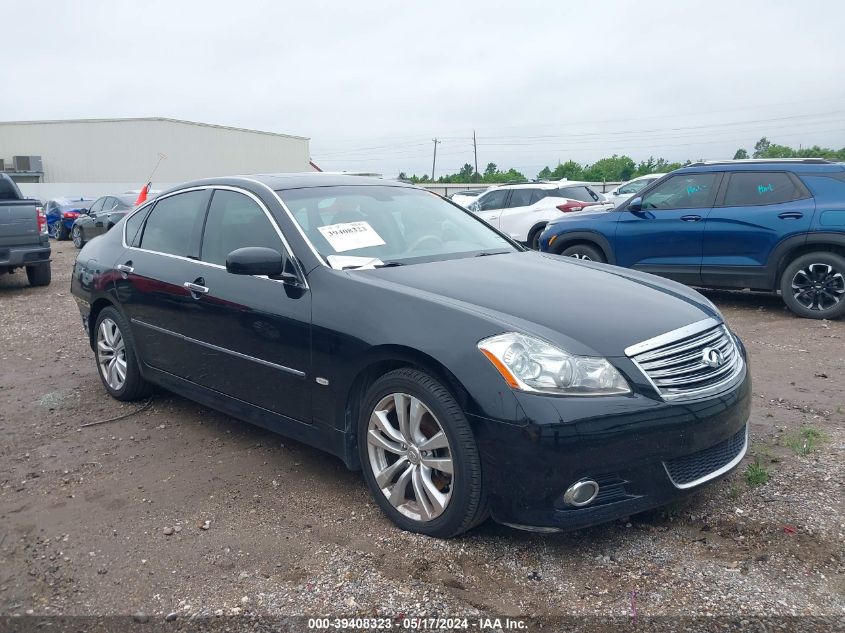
column 755, row 161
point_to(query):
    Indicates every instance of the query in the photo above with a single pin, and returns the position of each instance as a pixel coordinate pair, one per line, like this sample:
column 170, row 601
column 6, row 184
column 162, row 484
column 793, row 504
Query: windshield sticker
column 350, row 235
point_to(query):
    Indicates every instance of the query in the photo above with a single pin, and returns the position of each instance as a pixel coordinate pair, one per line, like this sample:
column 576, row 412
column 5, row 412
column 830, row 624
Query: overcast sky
column 373, row 82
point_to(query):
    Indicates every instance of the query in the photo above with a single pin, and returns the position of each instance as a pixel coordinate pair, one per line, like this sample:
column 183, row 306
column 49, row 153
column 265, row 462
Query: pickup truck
column 24, row 242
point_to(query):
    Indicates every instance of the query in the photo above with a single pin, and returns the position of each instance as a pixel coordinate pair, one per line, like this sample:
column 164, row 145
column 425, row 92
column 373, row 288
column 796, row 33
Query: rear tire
column 62, row 233
column 413, row 485
column 813, row 285
column 113, row 340
column 78, row 236
column 585, row 252
column 39, row 275
column 534, row 237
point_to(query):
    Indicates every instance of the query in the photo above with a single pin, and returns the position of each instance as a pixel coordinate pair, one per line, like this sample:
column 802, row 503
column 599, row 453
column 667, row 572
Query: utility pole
column 434, row 160
column 475, row 151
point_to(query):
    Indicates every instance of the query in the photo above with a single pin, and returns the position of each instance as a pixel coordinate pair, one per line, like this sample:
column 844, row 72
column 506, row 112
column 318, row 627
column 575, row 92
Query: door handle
column 691, row 218
column 195, row 288
column 791, row 215
column 125, row 268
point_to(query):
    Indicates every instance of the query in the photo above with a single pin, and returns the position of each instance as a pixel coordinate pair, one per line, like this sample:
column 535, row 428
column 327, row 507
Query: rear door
column 254, row 331
column 754, row 212
column 152, row 292
column 665, row 236
column 491, row 205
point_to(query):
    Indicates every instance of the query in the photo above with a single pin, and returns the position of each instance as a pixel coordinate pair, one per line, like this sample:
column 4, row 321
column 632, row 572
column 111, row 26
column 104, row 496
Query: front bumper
column 623, row 443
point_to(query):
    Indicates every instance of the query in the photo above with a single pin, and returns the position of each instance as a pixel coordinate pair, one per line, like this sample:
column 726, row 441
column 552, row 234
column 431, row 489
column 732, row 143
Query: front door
column 252, row 333
column 491, row 205
column 664, row 237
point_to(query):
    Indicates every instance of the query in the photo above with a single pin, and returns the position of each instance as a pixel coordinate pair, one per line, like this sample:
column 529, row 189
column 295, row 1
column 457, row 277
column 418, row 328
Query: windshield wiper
column 389, row 264
column 486, row 253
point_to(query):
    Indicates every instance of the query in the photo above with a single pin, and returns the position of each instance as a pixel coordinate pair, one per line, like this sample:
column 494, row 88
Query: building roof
column 154, row 119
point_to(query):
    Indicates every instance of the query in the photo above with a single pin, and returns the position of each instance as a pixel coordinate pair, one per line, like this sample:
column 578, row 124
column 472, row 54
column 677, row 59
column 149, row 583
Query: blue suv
column 760, row 224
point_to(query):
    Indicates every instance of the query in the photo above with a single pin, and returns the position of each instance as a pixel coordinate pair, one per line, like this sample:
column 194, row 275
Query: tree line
column 619, row 168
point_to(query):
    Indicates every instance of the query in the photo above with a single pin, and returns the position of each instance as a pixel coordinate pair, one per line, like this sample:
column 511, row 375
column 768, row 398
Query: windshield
column 390, row 224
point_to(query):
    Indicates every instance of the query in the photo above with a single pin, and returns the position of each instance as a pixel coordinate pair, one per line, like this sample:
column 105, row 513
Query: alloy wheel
column 111, row 354
column 583, row 256
column 53, row 230
column 77, row 237
column 818, row 287
column 410, row 457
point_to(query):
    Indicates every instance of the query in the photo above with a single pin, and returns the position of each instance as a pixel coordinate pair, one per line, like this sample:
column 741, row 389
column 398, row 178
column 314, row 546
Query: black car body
column 305, row 350
column 100, row 217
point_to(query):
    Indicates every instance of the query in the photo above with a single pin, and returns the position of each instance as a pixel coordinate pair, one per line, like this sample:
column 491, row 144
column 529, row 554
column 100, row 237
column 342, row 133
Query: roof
column 298, row 180
column 543, row 184
column 802, row 165
column 153, row 119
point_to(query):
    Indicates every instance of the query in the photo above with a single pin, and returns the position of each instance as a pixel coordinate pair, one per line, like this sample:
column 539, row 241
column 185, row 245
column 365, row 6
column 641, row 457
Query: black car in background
column 395, row 330
column 62, row 213
column 103, row 214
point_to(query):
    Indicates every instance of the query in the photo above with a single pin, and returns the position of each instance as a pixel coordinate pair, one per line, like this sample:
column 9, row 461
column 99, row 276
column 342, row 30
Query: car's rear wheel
column 62, row 233
column 53, row 230
column 39, row 274
column 534, row 237
column 117, row 363
column 584, row 251
column 78, row 237
column 813, row 285
column 418, row 454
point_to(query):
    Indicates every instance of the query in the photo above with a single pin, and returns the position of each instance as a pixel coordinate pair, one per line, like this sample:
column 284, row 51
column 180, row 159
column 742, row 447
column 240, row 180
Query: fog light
column 581, row 493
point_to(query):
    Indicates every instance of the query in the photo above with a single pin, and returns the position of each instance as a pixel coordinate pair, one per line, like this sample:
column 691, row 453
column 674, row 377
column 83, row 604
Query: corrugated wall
column 126, row 151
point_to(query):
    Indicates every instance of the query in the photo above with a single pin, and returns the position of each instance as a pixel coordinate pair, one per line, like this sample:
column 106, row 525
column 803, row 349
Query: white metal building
column 94, row 157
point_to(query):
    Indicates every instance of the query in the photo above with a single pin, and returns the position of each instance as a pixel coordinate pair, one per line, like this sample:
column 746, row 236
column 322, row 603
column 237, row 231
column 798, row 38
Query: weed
column 805, row 441
column 734, row 492
column 756, row 474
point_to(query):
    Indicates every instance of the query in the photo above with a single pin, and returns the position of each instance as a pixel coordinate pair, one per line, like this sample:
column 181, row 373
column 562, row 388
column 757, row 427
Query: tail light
column 42, row 220
column 70, row 215
column 573, row 205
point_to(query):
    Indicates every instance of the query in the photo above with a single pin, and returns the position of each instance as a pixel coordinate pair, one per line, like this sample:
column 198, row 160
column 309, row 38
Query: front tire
column 585, row 252
column 117, row 363
column 39, row 275
column 813, row 285
column 419, row 456
column 78, row 237
column 534, row 237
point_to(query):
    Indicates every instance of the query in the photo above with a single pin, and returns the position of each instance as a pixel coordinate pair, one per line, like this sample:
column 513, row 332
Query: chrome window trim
column 715, row 473
column 671, row 337
column 217, row 348
column 254, row 198
column 292, row 219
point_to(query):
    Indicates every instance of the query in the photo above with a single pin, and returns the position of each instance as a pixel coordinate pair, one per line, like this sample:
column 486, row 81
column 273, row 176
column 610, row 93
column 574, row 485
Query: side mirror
column 255, row 260
column 636, row 204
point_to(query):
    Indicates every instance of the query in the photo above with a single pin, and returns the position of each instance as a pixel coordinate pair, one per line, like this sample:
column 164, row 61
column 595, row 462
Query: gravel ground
column 180, row 509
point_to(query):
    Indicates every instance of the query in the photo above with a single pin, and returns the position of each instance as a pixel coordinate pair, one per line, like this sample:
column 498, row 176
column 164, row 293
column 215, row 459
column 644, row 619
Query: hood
column 586, row 214
column 585, row 307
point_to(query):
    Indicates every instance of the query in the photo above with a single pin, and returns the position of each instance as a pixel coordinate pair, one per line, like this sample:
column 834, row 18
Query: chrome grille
column 677, row 363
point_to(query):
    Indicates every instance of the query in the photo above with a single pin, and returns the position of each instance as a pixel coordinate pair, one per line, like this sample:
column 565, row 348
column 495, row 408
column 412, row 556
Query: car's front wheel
column 117, row 363
column 584, row 251
column 78, row 237
column 534, row 237
column 419, row 456
column 62, row 232
column 813, row 285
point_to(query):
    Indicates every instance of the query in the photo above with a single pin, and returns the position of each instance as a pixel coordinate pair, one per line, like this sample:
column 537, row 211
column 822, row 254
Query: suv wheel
column 534, row 237
column 78, row 239
column 584, row 251
column 117, row 363
column 39, row 275
column 813, row 285
column 419, row 457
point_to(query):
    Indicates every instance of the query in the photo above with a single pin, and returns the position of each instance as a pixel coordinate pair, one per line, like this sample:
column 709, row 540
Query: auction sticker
column 350, row 235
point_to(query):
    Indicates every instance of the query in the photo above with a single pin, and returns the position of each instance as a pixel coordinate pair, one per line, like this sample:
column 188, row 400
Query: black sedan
column 103, row 214
column 465, row 375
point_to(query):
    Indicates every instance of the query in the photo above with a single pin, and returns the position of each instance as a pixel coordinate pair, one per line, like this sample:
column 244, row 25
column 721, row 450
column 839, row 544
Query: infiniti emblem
column 712, row 357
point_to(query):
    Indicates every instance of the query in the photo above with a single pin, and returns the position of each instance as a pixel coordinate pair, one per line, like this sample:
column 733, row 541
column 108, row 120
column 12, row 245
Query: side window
column 754, row 188
column 235, row 221
column 580, row 193
column 684, row 191
column 634, row 187
column 97, row 206
column 132, row 225
column 538, row 194
column 493, row 200
column 520, row 198
column 171, row 223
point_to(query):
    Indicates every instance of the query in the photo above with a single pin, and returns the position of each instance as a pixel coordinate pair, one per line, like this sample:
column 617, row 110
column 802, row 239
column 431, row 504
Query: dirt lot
column 108, row 519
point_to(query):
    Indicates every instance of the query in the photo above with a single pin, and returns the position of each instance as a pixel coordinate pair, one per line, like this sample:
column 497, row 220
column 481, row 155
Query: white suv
column 523, row 210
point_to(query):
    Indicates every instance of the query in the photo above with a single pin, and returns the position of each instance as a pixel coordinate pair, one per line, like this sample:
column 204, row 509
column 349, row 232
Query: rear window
column 755, row 188
column 582, row 194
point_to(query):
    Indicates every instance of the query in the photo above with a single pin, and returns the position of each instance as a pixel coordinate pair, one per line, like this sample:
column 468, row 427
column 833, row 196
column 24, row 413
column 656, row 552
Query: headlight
column 530, row 364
